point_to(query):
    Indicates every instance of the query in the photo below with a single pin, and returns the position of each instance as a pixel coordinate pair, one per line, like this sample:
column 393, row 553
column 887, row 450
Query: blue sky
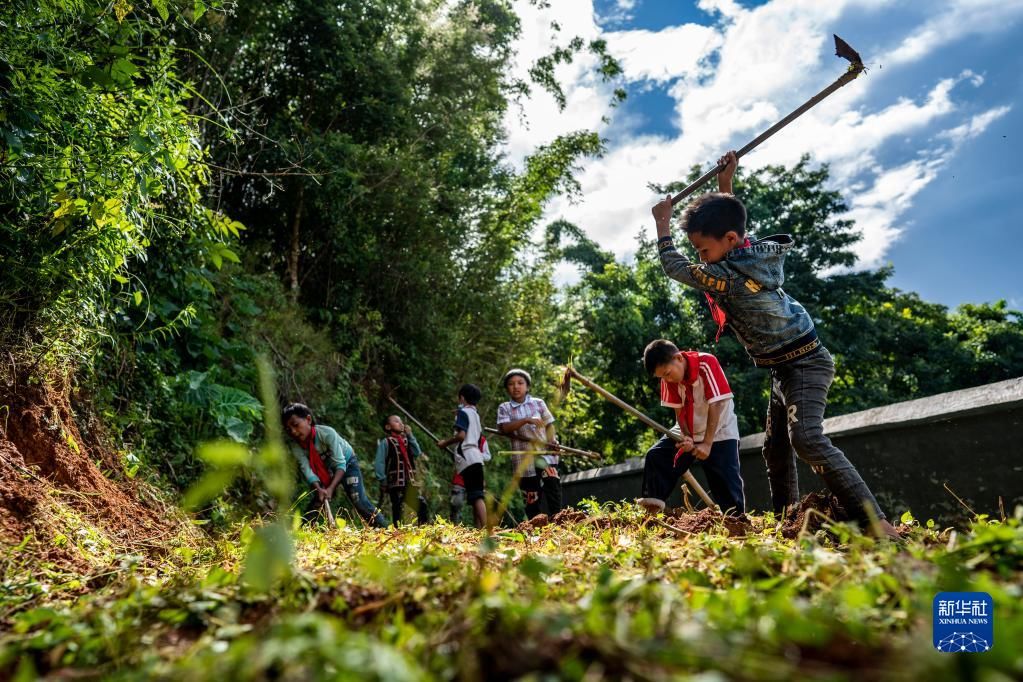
column 924, row 147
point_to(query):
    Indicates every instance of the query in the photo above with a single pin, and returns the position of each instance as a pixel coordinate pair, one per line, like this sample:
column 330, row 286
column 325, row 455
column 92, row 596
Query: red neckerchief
column 719, row 316
column 692, row 373
column 316, row 462
column 399, row 443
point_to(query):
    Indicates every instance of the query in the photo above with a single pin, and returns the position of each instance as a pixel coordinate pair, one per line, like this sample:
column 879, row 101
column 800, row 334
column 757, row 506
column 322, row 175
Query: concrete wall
column 971, row 440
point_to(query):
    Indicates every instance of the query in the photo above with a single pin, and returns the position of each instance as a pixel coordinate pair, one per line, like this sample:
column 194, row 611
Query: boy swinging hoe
column 742, row 280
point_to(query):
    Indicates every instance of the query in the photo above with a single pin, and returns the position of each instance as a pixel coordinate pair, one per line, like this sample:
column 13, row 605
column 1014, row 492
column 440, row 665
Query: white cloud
column 733, row 78
column 849, row 139
column 619, row 13
column 726, row 8
column 975, row 78
column 662, row 56
column 951, row 21
column 877, row 211
column 975, row 126
column 586, row 97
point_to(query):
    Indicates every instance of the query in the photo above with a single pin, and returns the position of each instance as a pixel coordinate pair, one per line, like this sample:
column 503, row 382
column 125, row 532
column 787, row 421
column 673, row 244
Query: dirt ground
column 814, row 510
column 51, row 478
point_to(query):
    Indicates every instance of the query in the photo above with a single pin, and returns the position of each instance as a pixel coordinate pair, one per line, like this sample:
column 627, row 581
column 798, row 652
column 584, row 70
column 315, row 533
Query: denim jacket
column 772, row 326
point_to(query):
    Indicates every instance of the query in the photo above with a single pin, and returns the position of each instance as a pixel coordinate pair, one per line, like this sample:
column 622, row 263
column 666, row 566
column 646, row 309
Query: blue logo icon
column 964, row 622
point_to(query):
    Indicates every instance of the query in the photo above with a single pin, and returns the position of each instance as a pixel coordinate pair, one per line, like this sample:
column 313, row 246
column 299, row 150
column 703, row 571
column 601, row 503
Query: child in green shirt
column 326, row 460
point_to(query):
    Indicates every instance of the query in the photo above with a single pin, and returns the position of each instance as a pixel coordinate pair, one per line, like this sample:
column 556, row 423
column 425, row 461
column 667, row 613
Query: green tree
column 100, row 156
column 387, row 242
column 374, row 185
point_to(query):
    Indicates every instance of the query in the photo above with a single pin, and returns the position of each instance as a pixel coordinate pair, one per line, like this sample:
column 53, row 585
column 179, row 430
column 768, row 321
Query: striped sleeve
column 670, row 396
column 715, row 278
column 504, row 413
column 715, row 385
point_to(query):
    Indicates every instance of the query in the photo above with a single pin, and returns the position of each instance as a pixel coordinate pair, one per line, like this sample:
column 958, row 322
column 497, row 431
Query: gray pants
column 795, row 416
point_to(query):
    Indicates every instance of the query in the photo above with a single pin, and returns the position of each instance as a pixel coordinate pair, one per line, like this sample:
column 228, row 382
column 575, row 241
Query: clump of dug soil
column 569, row 516
column 705, row 519
column 535, row 523
column 814, row 510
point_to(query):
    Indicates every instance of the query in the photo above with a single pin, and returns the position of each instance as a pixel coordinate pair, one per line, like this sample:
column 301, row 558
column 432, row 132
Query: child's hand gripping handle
column 697, row 184
column 685, row 445
column 723, row 171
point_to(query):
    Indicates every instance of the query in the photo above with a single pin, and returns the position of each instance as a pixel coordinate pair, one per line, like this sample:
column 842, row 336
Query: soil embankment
column 65, row 499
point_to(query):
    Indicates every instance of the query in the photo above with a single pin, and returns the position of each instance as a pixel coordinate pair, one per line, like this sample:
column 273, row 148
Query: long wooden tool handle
column 688, row 477
column 588, row 383
column 528, row 452
column 560, row 451
column 417, row 423
column 851, row 73
column 563, row 449
column 330, row 514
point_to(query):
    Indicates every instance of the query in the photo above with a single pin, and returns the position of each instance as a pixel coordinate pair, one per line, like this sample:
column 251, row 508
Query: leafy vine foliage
column 100, row 158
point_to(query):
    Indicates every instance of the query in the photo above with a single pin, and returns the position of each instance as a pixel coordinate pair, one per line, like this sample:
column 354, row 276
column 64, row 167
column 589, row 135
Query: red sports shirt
column 710, row 386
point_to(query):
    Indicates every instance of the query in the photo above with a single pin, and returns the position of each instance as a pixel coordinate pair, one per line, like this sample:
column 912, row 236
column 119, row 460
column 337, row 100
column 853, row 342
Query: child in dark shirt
column 395, row 467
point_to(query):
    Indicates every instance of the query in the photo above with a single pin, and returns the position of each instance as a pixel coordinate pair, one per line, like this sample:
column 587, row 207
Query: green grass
column 610, row 597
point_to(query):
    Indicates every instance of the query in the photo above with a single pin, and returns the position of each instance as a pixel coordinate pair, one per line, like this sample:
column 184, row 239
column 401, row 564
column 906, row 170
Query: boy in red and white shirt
column 693, row 384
